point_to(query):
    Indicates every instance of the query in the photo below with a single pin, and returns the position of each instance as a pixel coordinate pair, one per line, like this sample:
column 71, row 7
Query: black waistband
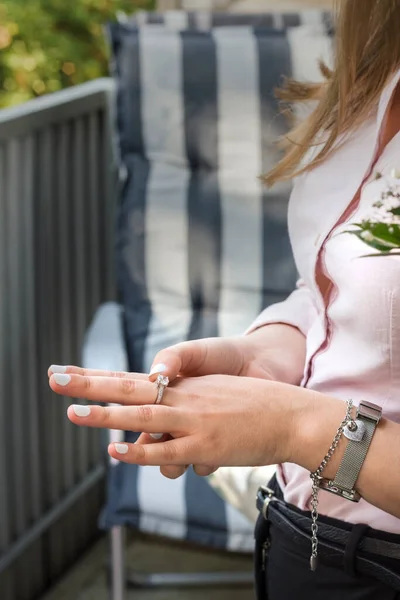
column 394, row 538
column 354, row 548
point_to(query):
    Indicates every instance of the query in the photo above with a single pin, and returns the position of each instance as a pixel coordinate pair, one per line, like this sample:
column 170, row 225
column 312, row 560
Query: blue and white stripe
column 202, row 247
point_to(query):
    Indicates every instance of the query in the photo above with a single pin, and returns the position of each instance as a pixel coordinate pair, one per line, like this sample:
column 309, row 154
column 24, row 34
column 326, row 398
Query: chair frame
column 123, row 579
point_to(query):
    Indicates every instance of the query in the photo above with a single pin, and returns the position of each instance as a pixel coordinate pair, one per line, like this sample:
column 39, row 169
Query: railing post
column 56, row 215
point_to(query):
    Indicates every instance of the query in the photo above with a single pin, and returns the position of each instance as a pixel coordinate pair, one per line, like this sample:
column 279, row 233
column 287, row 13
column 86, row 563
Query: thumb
column 185, row 358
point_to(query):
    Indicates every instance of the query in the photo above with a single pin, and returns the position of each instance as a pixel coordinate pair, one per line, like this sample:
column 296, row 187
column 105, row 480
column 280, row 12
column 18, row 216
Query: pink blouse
column 353, row 335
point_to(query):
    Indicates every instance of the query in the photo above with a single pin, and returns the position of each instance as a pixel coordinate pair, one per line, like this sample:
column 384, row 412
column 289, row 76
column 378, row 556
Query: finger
column 147, row 418
column 106, row 389
column 146, row 438
column 168, row 471
column 197, row 357
column 71, row 369
column 170, row 362
column 204, row 470
column 173, row 452
column 173, row 471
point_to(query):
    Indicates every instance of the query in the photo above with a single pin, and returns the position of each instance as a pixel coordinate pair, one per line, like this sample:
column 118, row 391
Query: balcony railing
column 56, row 267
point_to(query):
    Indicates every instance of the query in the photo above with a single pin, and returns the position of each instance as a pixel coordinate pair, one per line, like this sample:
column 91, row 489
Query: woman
column 336, row 338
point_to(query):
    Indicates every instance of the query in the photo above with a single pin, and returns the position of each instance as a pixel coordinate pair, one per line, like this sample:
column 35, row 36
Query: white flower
column 382, row 208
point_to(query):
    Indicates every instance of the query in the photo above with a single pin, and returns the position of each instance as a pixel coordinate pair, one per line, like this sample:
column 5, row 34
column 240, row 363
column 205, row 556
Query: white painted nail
column 159, row 368
column 81, row 410
column 156, row 436
column 62, row 379
column 121, row 448
column 58, row 368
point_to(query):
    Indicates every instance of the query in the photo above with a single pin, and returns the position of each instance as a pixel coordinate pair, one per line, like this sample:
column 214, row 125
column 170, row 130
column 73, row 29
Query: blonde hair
column 367, row 54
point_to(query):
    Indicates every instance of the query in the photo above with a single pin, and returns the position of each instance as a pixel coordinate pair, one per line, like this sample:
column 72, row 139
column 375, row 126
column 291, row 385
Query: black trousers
column 283, row 560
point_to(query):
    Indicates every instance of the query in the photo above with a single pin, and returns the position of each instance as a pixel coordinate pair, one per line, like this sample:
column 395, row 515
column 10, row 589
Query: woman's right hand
column 274, row 352
column 211, row 356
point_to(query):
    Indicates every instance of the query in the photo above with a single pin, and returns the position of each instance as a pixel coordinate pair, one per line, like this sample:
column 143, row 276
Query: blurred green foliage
column 47, row 45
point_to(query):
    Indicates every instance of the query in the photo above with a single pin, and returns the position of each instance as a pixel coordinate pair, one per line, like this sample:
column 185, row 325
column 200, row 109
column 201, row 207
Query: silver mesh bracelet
column 359, row 433
column 316, row 478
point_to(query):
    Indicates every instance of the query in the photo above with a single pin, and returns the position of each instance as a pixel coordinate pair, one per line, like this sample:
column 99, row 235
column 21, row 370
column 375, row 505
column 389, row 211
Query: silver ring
column 162, row 382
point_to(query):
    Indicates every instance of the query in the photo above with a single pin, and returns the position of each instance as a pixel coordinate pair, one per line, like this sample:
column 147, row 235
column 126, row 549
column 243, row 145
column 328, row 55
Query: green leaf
column 373, row 242
column 381, row 254
column 389, row 234
column 381, row 236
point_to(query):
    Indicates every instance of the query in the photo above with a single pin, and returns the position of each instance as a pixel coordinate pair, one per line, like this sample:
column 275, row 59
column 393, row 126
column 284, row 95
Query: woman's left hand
column 217, row 420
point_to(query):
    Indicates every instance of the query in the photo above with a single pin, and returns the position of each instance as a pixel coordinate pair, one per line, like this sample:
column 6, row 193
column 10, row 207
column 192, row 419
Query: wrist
column 289, row 409
column 280, row 349
column 314, row 428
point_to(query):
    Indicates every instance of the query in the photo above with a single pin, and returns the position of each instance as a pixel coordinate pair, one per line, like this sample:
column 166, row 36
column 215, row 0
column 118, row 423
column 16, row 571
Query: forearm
column 281, row 348
column 313, row 420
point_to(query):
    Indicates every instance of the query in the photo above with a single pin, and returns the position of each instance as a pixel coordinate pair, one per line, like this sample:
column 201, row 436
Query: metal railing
column 56, row 221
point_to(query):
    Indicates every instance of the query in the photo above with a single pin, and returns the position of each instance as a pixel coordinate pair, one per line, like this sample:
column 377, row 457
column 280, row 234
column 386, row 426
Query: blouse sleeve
column 297, row 310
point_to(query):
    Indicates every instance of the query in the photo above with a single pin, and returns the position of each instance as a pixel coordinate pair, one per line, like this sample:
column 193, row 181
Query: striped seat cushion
column 206, row 20
column 202, row 245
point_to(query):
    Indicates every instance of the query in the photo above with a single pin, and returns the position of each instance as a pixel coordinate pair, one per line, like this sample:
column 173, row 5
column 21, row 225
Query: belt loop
column 349, row 559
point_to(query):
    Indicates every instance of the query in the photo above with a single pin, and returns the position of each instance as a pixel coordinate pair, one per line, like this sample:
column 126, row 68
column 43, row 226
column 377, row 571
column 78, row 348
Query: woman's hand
column 275, row 352
column 266, row 353
column 213, row 420
column 224, row 420
column 230, row 356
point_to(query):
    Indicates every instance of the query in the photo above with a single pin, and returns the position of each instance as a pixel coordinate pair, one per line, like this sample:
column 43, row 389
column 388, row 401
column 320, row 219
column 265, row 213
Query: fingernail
column 81, row 410
column 62, row 379
column 121, row 448
column 58, row 368
column 156, row 436
column 159, row 368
